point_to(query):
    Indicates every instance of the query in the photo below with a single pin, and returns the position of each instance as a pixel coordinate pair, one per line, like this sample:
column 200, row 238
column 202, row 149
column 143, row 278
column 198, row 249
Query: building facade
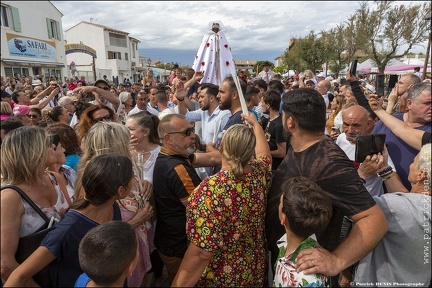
column 116, row 52
column 32, row 39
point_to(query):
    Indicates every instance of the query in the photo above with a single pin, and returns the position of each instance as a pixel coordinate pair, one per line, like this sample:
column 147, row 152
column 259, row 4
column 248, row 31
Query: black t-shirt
column 328, row 166
column 274, row 133
column 174, row 179
column 234, row 119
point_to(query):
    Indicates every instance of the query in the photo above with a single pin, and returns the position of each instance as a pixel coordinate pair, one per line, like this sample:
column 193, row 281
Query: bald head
column 356, row 122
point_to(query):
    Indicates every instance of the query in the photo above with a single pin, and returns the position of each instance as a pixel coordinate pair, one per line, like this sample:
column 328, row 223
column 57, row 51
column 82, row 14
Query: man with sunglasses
column 175, row 179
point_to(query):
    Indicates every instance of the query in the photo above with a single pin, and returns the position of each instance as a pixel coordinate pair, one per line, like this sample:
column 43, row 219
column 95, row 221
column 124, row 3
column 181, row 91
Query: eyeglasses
column 104, row 88
column 53, row 140
column 106, row 118
column 32, row 115
column 186, row 132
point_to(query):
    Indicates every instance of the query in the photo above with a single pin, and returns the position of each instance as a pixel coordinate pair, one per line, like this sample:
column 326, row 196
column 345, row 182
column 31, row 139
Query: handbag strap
column 26, row 198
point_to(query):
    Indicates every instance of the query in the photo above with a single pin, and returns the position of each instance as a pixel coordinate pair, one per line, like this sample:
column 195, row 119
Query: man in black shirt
column 314, row 155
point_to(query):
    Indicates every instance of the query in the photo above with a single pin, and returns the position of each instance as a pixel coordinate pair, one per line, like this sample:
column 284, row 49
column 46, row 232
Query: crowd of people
column 179, row 182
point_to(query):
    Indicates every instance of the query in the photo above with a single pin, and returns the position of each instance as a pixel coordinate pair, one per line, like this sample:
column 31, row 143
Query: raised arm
column 39, row 96
column 195, row 78
column 183, row 102
column 261, row 148
column 411, row 136
column 45, row 102
column 358, row 93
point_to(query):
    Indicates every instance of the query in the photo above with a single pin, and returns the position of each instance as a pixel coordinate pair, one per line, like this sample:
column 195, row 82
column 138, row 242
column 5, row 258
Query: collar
column 168, row 152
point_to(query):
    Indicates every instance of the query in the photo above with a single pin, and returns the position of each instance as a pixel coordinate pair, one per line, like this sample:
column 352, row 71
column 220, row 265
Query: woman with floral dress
column 226, row 215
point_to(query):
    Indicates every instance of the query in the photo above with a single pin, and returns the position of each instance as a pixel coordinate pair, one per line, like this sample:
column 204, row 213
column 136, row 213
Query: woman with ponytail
column 226, row 215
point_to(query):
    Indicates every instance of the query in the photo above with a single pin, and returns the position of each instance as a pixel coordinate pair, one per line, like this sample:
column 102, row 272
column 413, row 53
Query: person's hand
column 133, row 142
column 180, row 93
column 142, row 215
column 198, row 75
column 211, row 147
column 374, row 103
column 345, row 278
column 147, row 190
column 317, row 260
column 384, row 163
column 371, row 165
column 334, row 134
column 250, row 119
column 350, row 78
column 55, row 91
column 393, row 96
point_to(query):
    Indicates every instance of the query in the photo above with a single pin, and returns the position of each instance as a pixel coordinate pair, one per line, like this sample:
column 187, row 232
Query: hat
column 321, row 75
column 36, row 82
column 127, row 84
column 21, row 110
column 101, row 81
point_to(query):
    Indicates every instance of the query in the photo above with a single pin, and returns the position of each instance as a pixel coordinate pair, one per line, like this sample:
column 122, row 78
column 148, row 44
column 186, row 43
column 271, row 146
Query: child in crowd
column 108, row 255
column 304, row 209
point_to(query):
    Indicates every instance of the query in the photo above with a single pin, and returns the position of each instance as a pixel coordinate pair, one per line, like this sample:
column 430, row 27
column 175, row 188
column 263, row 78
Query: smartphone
column 369, row 145
column 353, row 67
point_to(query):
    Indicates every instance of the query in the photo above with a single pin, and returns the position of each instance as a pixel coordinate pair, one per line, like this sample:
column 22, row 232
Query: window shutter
column 16, row 19
column 49, row 28
column 59, row 31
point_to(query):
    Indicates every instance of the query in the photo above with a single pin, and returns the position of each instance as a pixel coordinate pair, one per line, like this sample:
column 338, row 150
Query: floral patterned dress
column 226, row 217
column 285, row 271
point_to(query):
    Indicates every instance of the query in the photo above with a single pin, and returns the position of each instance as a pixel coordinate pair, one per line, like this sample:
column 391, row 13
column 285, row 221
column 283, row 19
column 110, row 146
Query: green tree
column 260, row 64
column 386, row 29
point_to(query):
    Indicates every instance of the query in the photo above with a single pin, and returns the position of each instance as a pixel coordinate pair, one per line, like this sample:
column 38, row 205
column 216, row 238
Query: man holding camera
column 356, row 123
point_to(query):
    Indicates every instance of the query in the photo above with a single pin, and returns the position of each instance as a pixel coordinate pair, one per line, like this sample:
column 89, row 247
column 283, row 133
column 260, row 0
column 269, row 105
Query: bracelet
column 385, row 178
column 386, row 171
column 180, row 100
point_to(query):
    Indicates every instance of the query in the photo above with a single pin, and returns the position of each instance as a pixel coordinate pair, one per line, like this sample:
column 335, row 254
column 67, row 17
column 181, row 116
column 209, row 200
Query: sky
column 171, row 31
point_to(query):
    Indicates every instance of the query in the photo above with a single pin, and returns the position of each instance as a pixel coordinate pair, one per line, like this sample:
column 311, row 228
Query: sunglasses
column 53, row 139
column 107, row 117
column 32, row 116
column 186, row 132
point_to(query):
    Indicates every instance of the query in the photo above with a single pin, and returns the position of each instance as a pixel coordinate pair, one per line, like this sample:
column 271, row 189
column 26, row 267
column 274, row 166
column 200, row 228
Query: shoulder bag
column 28, row 244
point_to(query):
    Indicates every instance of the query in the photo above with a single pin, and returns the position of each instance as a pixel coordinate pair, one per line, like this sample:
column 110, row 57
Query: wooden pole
column 94, row 69
column 427, row 57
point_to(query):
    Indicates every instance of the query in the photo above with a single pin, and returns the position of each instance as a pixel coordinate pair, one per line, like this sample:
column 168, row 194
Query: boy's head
column 108, row 251
column 304, row 208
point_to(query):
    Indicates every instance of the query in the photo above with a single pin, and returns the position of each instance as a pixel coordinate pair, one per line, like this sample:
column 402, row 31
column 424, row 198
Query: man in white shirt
column 356, row 123
column 141, row 104
column 212, row 118
column 266, row 74
column 162, row 103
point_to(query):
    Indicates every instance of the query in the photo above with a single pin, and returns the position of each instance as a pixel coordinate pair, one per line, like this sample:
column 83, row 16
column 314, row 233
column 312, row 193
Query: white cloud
column 181, row 25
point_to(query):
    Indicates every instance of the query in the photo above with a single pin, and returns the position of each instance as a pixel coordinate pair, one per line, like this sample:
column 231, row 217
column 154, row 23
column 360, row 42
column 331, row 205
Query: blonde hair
column 23, row 155
column 123, row 96
column 238, row 147
column 5, row 108
column 103, row 138
column 424, row 164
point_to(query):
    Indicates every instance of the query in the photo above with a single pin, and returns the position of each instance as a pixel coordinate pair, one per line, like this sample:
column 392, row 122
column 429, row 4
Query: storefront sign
column 76, row 48
column 31, row 47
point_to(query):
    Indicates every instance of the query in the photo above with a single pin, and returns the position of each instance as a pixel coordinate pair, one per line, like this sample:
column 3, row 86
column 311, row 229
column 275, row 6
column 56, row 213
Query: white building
column 116, row 52
column 32, row 39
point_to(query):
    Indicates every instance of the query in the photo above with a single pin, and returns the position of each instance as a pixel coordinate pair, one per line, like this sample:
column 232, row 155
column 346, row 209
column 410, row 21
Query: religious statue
column 214, row 56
